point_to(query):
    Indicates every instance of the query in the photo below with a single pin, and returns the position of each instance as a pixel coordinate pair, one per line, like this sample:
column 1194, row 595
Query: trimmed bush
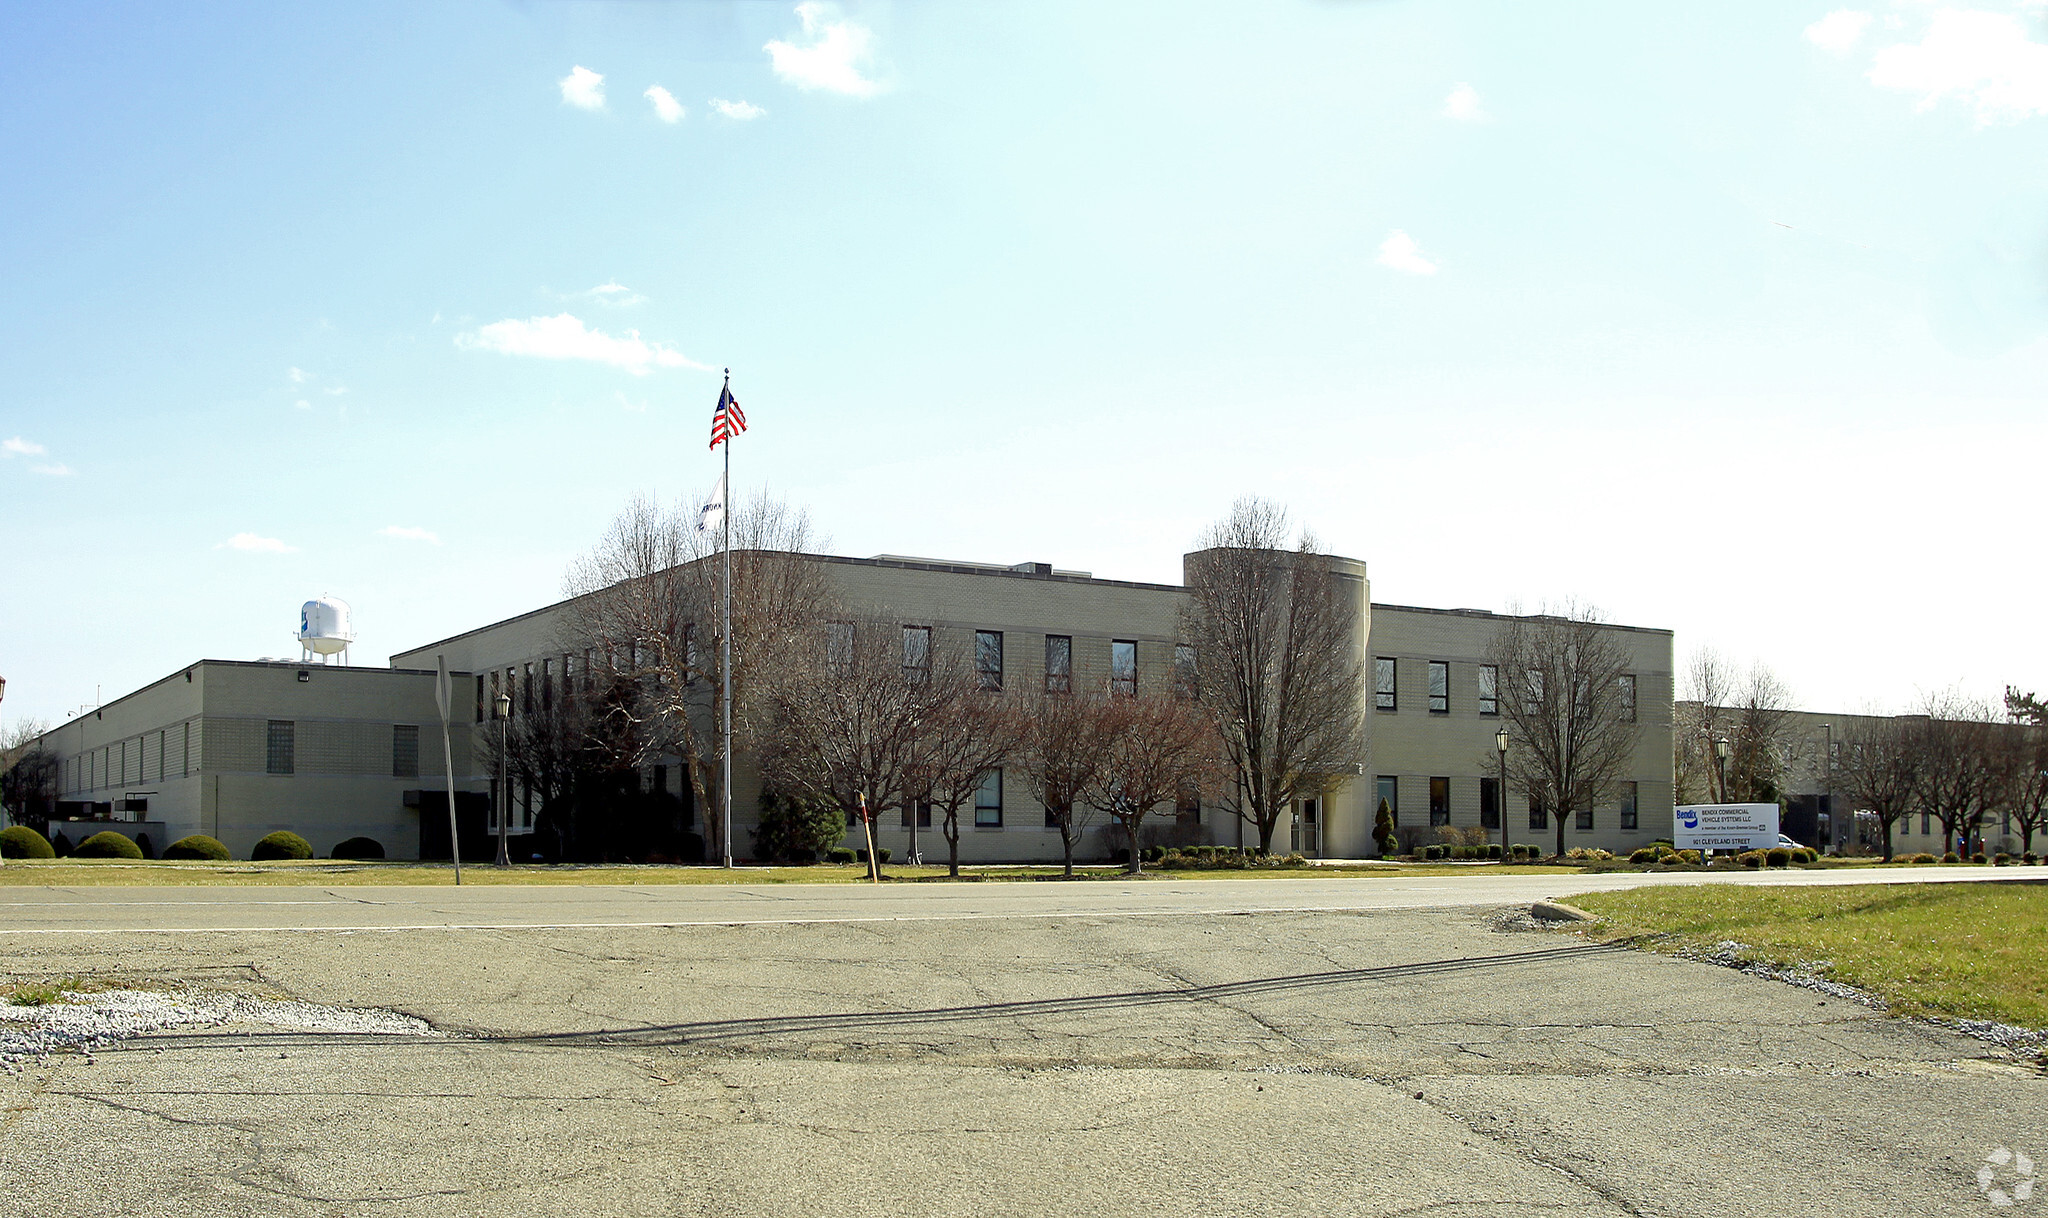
column 22, row 842
column 1922, row 859
column 108, row 845
column 1642, row 854
column 198, row 846
column 283, row 844
column 359, row 848
column 1950, row 857
column 2028, row 858
column 842, row 857
column 1671, row 860
column 1493, row 850
column 862, row 855
column 2002, row 859
column 1778, row 856
column 1751, row 859
column 1977, row 857
column 1690, row 857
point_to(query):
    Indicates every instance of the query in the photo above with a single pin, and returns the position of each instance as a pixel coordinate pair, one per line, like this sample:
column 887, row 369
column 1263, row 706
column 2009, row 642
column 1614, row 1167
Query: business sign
column 1725, row 826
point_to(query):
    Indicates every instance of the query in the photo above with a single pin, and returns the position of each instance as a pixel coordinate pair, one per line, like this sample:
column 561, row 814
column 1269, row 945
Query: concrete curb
column 1557, row 911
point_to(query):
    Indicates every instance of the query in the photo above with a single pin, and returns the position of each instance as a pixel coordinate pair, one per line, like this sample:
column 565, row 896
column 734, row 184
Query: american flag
column 727, row 420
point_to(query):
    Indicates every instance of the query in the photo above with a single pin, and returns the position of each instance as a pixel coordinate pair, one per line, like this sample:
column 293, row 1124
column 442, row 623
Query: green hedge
column 198, row 846
column 22, row 842
column 359, row 848
column 108, row 845
column 283, row 844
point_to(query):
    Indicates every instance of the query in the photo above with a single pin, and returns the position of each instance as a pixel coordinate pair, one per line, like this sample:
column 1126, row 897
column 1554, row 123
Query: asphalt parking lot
column 1180, row 1061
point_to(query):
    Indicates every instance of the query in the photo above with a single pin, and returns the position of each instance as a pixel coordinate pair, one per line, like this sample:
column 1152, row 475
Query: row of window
column 989, row 659
column 1387, row 790
column 988, row 807
column 116, row 765
column 281, row 748
column 1386, row 688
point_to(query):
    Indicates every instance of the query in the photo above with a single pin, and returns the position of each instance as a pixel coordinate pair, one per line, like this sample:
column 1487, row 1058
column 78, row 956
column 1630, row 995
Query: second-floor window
column 917, row 654
column 405, row 750
column 988, row 658
column 1439, row 687
column 1383, row 673
column 1123, row 667
column 1059, row 663
column 1627, row 683
column 281, row 752
column 1489, row 689
column 1186, row 683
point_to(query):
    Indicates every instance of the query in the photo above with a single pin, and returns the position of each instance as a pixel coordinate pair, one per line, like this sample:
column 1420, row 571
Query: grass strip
column 1957, row 951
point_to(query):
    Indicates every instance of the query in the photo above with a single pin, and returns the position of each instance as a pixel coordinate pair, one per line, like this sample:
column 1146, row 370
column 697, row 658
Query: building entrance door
column 1308, row 828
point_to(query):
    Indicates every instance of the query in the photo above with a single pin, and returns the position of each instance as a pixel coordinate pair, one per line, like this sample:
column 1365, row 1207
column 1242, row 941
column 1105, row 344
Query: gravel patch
column 88, row 1021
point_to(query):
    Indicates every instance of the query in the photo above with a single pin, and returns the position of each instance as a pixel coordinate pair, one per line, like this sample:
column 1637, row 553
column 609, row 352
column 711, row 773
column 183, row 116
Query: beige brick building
column 1430, row 748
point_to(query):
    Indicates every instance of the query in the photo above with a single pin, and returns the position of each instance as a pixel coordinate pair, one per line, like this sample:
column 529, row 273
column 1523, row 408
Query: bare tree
column 1274, row 632
column 1065, row 742
column 1752, row 711
column 1956, row 783
column 29, row 775
column 1563, row 696
column 850, row 716
column 1159, row 745
column 648, row 612
column 972, row 734
column 1880, row 771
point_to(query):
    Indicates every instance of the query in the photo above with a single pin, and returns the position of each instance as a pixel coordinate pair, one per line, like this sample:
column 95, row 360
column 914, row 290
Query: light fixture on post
column 1500, row 796
column 504, row 779
column 1721, row 764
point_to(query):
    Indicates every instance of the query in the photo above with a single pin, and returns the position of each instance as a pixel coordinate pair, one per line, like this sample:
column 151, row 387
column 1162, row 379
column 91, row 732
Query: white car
column 1789, row 844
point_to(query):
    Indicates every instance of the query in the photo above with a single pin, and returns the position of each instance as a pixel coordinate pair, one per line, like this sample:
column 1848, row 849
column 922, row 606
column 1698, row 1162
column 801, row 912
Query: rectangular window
column 661, row 778
column 988, row 659
column 1187, row 809
column 405, row 750
column 917, row 654
column 988, row 801
column 281, row 747
column 839, row 644
column 1628, row 805
column 1123, row 667
column 547, row 684
column 689, row 655
column 185, row 771
column 1059, row 663
column 1924, row 829
column 1627, row 682
column 1383, row 672
column 1585, row 819
column 1186, row 683
column 1439, row 687
column 1489, row 803
column 479, row 697
column 1489, row 689
column 924, row 813
column 1539, row 816
column 1532, row 691
column 526, row 688
column 1439, row 801
column 1387, row 790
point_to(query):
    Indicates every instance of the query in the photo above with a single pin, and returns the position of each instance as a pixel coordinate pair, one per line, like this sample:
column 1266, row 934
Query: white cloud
column 335, row 391
column 611, row 292
column 55, row 470
column 741, row 110
column 564, row 336
column 1975, row 55
column 1463, row 104
column 829, row 61
column 1839, row 31
column 1400, row 252
column 18, row 447
column 408, row 533
column 666, row 107
column 256, row 544
column 302, row 404
column 297, row 375
column 583, row 89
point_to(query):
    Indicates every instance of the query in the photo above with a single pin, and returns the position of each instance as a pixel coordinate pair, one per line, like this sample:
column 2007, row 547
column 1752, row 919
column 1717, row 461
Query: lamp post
column 1500, row 797
column 504, row 780
column 1721, row 764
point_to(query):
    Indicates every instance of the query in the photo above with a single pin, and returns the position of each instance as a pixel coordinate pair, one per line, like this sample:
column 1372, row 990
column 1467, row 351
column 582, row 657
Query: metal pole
column 725, row 661
column 1500, row 804
column 444, row 694
column 504, row 791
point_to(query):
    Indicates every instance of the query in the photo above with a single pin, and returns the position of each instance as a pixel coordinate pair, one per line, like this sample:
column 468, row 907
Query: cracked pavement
column 1375, row 1062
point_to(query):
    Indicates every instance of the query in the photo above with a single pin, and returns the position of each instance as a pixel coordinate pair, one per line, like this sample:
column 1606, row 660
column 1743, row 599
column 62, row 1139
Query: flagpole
column 725, row 657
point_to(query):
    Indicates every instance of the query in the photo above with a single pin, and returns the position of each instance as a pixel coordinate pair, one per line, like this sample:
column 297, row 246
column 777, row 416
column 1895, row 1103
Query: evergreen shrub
column 22, row 842
column 198, row 847
column 108, row 845
column 283, row 844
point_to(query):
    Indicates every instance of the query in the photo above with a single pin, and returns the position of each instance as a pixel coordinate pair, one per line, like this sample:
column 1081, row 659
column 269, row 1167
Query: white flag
column 712, row 515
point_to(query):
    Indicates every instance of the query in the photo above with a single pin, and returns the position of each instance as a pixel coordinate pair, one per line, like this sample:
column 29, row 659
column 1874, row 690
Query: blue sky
column 1732, row 320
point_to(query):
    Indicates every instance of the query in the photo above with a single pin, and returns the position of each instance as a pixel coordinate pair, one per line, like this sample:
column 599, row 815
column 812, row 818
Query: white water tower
column 324, row 628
